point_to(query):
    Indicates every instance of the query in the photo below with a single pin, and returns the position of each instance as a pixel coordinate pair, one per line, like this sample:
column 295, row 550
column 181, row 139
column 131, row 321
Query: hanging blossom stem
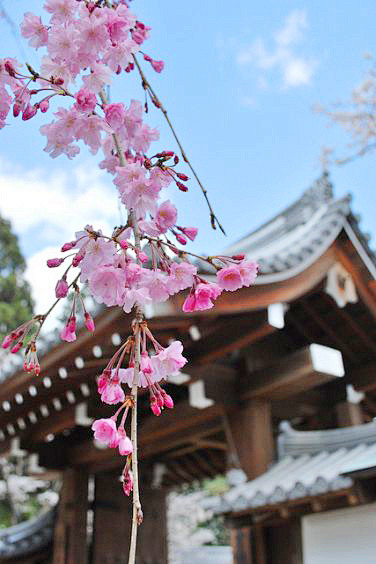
column 146, row 86
column 137, row 515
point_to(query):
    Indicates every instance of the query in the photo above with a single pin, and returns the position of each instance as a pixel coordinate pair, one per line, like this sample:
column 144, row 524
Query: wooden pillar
column 284, row 543
column 349, row 414
column 241, row 545
column 70, row 542
column 248, row 544
column 112, row 523
column 252, row 435
column 152, row 547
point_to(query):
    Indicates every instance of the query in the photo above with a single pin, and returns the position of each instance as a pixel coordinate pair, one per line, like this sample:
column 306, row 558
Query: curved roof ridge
column 294, row 443
column 313, row 198
column 28, row 536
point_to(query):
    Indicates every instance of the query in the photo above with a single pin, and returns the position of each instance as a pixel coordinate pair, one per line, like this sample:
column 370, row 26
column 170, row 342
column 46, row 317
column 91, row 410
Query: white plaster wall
column 345, row 536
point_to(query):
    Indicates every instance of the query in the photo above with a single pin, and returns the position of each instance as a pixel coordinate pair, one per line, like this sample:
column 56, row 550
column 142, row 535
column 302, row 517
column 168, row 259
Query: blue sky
column 239, row 83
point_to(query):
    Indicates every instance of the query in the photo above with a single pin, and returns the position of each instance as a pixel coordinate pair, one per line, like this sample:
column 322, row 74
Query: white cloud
column 295, row 70
column 293, row 30
column 43, row 281
column 51, row 206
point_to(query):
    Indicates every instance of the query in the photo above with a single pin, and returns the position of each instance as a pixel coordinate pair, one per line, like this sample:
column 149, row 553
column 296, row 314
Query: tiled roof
column 294, row 239
column 27, row 537
column 310, row 463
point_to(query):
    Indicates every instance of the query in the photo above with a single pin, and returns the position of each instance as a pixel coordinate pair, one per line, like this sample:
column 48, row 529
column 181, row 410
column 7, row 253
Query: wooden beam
column 364, row 378
column 230, row 336
column 250, row 433
column 365, row 287
column 64, row 352
column 300, row 371
column 328, row 330
column 174, row 429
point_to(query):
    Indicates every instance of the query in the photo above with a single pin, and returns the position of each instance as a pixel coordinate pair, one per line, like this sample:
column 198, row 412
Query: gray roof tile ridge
column 294, row 443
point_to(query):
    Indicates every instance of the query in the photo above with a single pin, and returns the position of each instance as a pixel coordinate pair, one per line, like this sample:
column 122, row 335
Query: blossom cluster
column 141, row 262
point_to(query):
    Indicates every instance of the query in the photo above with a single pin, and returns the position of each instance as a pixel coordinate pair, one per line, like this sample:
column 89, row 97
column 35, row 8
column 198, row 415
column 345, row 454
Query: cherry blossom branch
column 146, row 86
column 137, row 515
column 180, row 251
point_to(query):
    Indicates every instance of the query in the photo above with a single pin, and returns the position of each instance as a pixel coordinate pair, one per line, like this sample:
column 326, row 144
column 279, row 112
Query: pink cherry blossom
column 140, row 32
column 56, row 69
column 98, row 252
column 86, row 100
column 99, row 76
column 89, row 129
column 125, row 444
column 120, row 55
column 169, row 361
column 157, row 284
column 248, row 271
column 134, row 296
column 61, row 10
column 115, row 116
column 67, row 334
column 229, row 278
column 202, row 297
column 181, row 276
column 62, row 42
column 107, row 285
column 93, row 34
column 33, row 29
column 110, row 391
column 126, row 376
column 166, row 216
column 105, row 431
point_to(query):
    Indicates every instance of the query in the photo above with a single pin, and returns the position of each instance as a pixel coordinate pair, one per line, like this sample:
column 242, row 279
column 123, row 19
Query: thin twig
column 137, row 515
column 146, row 86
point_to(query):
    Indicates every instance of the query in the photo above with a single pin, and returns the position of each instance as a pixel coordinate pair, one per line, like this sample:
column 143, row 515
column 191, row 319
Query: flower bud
column 68, row 246
column 238, row 257
column 54, row 262
column 190, row 232
column 16, row 347
column 72, row 324
column 8, row 340
column 29, row 112
column 16, row 109
column 182, row 176
column 182, row 187
column 167, row 400
column 154, row 406
column 158, row 66
column 182, row 240
column 44, row 105
column 89, row 322
column 123, row 244
column 61, row 288
column 77, row 259
column 9, row 68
